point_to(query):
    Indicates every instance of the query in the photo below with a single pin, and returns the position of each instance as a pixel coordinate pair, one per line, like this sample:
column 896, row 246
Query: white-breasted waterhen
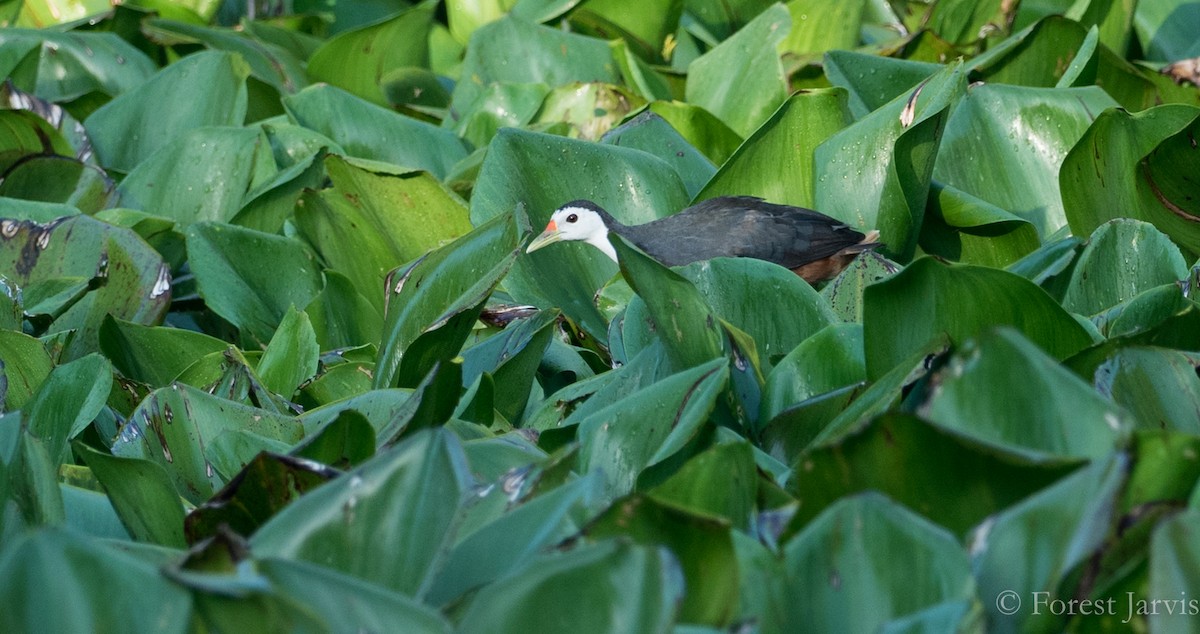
column 813, row 245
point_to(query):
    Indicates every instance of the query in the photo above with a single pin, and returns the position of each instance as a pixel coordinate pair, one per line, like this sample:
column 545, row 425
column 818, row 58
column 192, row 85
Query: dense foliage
column 274, row 358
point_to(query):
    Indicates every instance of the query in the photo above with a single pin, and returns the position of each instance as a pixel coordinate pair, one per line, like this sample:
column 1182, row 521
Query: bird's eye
column 572, row 218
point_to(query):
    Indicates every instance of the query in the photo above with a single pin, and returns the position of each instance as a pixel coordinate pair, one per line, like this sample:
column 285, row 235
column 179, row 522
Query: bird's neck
column 600, row 241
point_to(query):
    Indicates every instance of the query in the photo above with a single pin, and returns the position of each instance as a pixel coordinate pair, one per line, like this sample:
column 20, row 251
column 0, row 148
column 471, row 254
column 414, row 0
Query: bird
column 811, row 244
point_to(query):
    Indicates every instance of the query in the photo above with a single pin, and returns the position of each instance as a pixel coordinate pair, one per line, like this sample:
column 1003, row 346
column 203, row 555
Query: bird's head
column 580, row 220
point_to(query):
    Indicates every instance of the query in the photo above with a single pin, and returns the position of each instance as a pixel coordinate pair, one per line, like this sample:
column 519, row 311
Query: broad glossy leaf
column 1174, row 559
column 1134, row 165
column 871, row 80
column 380, row 407
column 1057, row 414
column 270, row 203
column 1122, row 259
column 835, row 582
column 700, row 127
column 62, row 66
column 513, row 51
column 589, row 109
column 830, row 359
column 269, row 63
column 650, row 133
column 845, row 292
column 876, row 173
column 238, row 272
column 435, row 301
column 376, row 218
column 963, row 228
column 964, row 21
column 1159, row 387
column 174, row 427
column 201, row 175
column 341, row 316
column 26, row 364
column 741, row 80
column 819, row 26
column 612, row 586
column 154, row 355
column 903, row 312
column 649, row 425
column 407, row 497
column 719, row 482
column 132, row 282
column 24, row 133
column 59, row 179
column 142, row 495
column 645, row 26
column 500, row 105
column 291, row 356
column 35, row 568
column 784, row 144
column 1004, row 145
column 356, row 60
column 1033, row 545
column 721, row 18
column 1166, row 29
column 544, row 172
column 67, row 402
column 204, row 89
column 368, row 131
column 511, row 357
column 871, row 457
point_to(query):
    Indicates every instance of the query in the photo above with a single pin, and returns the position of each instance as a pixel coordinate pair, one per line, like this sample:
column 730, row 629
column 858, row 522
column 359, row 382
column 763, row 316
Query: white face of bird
column 572, row 223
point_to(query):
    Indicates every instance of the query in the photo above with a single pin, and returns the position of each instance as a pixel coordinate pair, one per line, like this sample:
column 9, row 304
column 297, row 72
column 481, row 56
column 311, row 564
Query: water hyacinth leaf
column 1028, row 131
column 346, row 442
column 67, row 402
column 201, row 175
column 650, row 133
column 828, row 360
column 237, row 272
column 785, row 143
column 1069, row 520
column 271, row 203
column 1132, row 165
column 142, row 495
column 1166, row 29
column 342, row 317
column 1057, row 415
column 41, row 562
column 203, row 89
column 887, row 188
column 368, row 131
column 291, row 356
column 701, row 128
column 153, row 355
column 544, row 172
column 127, row 278
column 1159, row 387
column 1144, row 258
column 445, row 291
column 26, row 364
column 902, row 313
column 589, row 109
column 24, row 133
column 679, row 315
column 833, row 584
column 645, row 27
column 511, row 358
column 625, row 437
column 845, row 292
column 899, row 443
column 500, row 105
column 376, row 218
column 741, row 80
column 963, row 228
column 269, row 63
column 513, row 51
column 59, row 179
column 871, row 80
column 60, row 67
column 1173, row 562
column 719, row 482
column 407, row 496
column 612, row 585
column 173, row 425
column 356, row 60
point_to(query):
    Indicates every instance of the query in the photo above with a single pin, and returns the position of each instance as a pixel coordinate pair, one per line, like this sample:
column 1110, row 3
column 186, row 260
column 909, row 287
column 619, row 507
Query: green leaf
column 1147, row 259
column 650, row 133
column 375, row 218
column 200, row 175
column 1133, row 165
column 511, row 358
column 1058, row 414
column 830, row 359
column 251, row 278
column 204, row 89
column 645, row 26
column 269, row 63
column 1004, row 145
column 719, row 482
column 961, row 227
column 26, row 364
column 1159, row 387
column 72, row 64
column 588, row 109
column 407, row 496
column 701, row 128
column 154, row 355
column 291, row 357
column 342, row 317
column 845, row 292
column 819, row 26
column 346, row 442
column 1031, row 546
column 605, row 587
column 873, row 81
column 871, row 457
column 356, row 60
column 35, row 568
column 142, row 495
column 368, row 131
column 1174, row 558
column 544, row 172
column 903, row 312
column 649, row 425
column 67, row 402
column 835, row 582
column 741, row 80
column 783, row 144
column 439, row 296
